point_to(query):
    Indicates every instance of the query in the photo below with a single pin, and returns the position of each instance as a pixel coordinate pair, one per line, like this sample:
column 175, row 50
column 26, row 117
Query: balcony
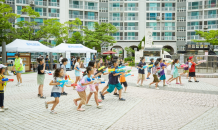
column 156, row 38
column 210, row 6
column 41, row 3
column 76, row 6
column 153, row 8
column 42, row 13
column 169, row 28
column 131, row 37
column 91, row 17
column 116, row 18
column 154, row 27
column 215, row 26
column 22, row 2
column 76, row 16
column 194, row 37
column 168, row 38
column 56, row 15
column 211, row 16
column 168, row 18
column 21, row 13
column 116, row 9
column 90, row 27
column 119, row 27
column 131, row 8
column 194, row 7
column 194, row 17
column 168, row 8
column 91, row 7
column 131, row 28
column 118, row 37
column 56, row 4
column 10, row 2
column 196, row 27
column 131, row 18
column 151, row 18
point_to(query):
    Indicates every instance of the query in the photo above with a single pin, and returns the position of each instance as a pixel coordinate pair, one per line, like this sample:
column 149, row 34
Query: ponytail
column 87, row 70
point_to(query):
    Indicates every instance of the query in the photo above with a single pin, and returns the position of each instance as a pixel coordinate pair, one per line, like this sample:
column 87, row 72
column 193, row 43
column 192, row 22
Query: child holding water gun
column 63, row 66
column 162, row 73
column 2, row 88
column 176, row 75
column 155, row 70
column 41, row 77
column 192, row 69
column 113, row 82
column 56, row 90
column 141, row 71
column 81, row 86
column 77, row 69
column 149, row 68
column 123, row 81
column 106, row 87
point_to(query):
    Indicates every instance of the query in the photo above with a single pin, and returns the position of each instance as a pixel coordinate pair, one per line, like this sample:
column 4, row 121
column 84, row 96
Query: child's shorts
column 124, row 83
column 191, row 74
column 55, row 94
column 77, row 73
column 155, row 78
column 162, row 77
column 19, row 71
column 141, row 76
column 111, row 87
column 92, row 88
column 149, row 70
column 186, row 71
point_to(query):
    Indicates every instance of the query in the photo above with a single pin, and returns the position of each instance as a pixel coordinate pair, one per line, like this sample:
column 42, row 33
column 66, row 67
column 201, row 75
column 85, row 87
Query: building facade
column 173, row 21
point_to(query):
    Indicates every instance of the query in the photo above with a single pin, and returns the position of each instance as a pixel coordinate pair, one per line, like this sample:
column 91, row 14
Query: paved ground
column 193, row 106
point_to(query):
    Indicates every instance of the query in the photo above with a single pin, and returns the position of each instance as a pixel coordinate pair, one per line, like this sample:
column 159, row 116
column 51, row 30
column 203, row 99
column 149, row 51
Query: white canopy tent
column 73, row 48
column 19, row 45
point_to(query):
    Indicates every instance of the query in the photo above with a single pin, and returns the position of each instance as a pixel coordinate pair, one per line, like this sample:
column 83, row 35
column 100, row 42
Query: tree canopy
column 210, row 36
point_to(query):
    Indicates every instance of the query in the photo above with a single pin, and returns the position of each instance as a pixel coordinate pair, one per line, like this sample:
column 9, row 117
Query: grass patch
column 28, row 72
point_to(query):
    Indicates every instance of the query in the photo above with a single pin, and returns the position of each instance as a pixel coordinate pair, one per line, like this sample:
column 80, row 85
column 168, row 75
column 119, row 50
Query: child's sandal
column 80, row 109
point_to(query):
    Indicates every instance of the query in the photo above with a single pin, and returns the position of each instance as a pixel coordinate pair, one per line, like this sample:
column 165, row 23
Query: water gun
column 96, row 80
column 62, row 82
column 6, row 79
column 73, row 84
column 145, row 66
column 48, row 72
column 101, row 70
column 201, row 61
column 128, row 75
column 184, row 65
column 14, row 72
column 77, row 68
column 121, row 67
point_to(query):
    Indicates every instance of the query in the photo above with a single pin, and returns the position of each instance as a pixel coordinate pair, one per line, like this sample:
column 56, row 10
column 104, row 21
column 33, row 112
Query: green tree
column 140, row 44
column 76, row 38
column 129, row 50
column 7, row 17
column 210, row 37
column 100, row 36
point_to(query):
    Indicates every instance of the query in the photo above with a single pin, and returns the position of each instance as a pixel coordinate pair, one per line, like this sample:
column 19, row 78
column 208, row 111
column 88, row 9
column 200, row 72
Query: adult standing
column 46, row 61
column 73, row 59
column 18, row 65
column 60, row 60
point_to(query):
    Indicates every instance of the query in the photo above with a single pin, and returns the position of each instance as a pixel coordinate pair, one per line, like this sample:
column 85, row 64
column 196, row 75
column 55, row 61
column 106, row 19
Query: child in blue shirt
column 114, row 82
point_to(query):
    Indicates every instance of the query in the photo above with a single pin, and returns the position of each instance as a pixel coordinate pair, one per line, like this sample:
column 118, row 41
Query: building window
column 181, row 29
column 181, row 0
column 103, row 9
column 103, row 1
column 181, row 38
column 181, row 9
column 181, row 19
column 103, row 19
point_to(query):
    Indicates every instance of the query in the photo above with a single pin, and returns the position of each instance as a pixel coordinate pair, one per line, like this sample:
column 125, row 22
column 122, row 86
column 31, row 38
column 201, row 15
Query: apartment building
column 173, row 21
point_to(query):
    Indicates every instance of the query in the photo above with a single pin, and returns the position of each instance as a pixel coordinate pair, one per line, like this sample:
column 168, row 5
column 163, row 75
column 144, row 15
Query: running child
column 113, row 82
column 186, row 69
column 192, row 69
column 63, row 66
column 176, row 73
column 155, row 70
column 106, row 87
column 81, row 86
column 149, row 68
column 56, row 90
column 77, row 69
column 123, row 81
column 41, row 77
column 141, row 71
column 162, row 73
column 172, row 71
column 2, row 88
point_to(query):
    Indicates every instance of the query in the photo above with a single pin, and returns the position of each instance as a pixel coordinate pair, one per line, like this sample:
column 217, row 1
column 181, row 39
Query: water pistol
column 184, row 65
column 6, row 79
column 62, row 82
column 101, row 70
column 77, row 68
column 48, row 72
column 128, row 75
column 96, row 80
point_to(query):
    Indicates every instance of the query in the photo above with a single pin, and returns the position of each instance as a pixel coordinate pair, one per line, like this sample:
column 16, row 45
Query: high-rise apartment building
column 173, row 21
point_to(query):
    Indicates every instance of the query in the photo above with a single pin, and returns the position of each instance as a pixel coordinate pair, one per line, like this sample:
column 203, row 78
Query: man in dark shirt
column 113, row 82
column 141, row 71
column 46, row 61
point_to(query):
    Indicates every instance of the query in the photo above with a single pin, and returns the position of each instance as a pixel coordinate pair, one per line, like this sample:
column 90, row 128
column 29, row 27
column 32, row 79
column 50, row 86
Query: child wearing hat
column 192, row 69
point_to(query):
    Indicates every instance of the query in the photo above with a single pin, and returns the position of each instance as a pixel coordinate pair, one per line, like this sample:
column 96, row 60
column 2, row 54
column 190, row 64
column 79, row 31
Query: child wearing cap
column 2, row 88
column 192, row 69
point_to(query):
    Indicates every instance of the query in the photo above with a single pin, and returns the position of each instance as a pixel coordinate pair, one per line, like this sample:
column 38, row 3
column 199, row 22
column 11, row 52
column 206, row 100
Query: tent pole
column 3, row 52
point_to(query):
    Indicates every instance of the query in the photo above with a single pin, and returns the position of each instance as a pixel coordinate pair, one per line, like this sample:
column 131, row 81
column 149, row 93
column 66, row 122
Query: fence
column 210, row 66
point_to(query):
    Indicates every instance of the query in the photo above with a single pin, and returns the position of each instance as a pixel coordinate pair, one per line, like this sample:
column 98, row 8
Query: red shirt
column 192, row 69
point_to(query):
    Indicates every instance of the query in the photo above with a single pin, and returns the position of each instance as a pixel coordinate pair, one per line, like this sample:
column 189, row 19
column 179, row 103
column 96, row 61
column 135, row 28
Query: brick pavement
column 144, row 108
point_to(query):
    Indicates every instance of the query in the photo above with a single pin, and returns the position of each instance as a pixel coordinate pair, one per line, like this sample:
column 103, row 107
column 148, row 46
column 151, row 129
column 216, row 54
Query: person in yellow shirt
column 18, row 65
column 2, row 88
column 123, row 81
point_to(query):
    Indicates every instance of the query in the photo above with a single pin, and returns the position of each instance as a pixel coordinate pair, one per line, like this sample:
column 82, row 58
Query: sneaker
column 156, row 88
column 102, row 97
column 64, row 93
column 20, row 84
column 46, row 105
column 99, row 100
column 43, row 97
column 196, row 81
column 2, row 110
column 189, row 81
column 99, row 106
column 88, row 105
column 122, row 99
column 137, row 85
column 53, row 112
column 116, row 94
column 17, row 84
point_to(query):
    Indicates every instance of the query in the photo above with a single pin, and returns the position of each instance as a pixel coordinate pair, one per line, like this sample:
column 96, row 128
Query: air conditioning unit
column 32, row 3
column 158, row 18
column 205, row 27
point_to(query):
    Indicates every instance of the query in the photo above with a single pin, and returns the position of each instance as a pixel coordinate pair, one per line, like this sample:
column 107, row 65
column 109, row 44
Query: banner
column 68, row 66
column 87, row 58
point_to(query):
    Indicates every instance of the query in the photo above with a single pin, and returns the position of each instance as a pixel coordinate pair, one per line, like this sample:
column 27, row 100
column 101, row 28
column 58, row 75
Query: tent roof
column 19, row 45
column 74, row 48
